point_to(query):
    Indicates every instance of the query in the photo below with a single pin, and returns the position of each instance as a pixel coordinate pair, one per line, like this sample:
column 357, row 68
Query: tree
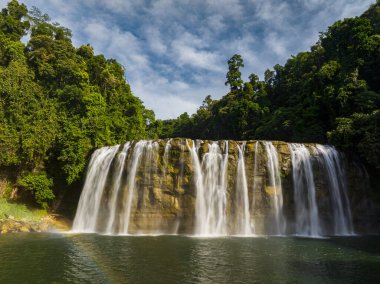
column 12, row 20
column 330, row 93
column 234, row 75
column 40, row 185
column 58, row 103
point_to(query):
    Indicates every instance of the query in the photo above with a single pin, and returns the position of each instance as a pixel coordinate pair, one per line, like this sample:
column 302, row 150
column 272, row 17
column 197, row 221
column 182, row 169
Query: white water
column 112, row 205
column 255, row 182
column 275, row 188
column 181, row 163
column 119, row 179
column 89, row 202
column 137, row 153
column 165, row 159
column 242, row 200
column 306, row 209
column 210, row 181
column 340, row 205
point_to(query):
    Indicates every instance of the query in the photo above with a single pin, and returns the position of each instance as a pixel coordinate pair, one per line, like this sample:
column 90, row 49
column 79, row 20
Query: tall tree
column 234, row 75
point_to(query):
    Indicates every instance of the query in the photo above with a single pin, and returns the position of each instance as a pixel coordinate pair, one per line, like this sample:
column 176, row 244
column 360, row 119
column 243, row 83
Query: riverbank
column 15, row 217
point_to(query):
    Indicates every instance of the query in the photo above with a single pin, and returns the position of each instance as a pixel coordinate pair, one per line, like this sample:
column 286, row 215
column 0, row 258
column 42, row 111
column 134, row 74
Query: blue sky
column 175, row 52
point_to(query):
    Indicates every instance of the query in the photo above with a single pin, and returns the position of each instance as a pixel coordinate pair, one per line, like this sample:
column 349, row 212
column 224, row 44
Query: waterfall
column 222, row 224
column 165, row 162
column 242, row 203
column 255, row 182
column 210, row 181
column 215, row 188
column 274, row 188
column 340, row 205
column 137, row 153
column 89, row 202
column 112, row 205
column 200, row 203
column 306, row 209
column 181, row 164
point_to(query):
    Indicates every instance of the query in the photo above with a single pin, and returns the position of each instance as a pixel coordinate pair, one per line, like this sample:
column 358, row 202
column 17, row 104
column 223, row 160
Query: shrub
column 40, row 186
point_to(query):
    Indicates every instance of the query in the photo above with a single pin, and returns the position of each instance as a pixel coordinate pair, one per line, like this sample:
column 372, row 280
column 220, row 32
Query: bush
column 40, row 186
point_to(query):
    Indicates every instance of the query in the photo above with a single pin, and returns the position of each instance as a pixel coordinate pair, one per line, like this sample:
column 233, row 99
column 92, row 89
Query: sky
column 175, row 52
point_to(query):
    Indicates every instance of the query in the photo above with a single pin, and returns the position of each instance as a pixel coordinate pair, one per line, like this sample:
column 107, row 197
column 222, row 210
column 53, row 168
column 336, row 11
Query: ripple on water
column 91, row 258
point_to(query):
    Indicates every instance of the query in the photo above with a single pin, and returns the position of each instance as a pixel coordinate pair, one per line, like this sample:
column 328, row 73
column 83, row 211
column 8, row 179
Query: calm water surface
column 54, row 258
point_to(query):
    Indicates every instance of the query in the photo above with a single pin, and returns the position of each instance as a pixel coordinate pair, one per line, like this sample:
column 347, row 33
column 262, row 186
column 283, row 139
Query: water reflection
column 44, row 258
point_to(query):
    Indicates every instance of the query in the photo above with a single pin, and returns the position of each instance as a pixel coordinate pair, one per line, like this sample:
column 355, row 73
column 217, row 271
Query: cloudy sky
column 175, row 51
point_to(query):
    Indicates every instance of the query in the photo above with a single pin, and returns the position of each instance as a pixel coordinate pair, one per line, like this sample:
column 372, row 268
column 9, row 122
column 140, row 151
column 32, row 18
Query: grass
column 20, row 211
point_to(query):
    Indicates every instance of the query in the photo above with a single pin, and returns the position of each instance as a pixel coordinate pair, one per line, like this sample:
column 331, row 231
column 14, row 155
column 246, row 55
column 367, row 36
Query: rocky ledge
column 49, row 223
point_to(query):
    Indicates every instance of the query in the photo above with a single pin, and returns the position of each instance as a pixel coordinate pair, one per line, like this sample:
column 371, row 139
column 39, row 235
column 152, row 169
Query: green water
column 54, row 258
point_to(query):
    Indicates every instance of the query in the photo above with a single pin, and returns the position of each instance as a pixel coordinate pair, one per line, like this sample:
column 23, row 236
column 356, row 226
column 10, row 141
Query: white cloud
column 155, row 41
column 122, row 45
column 354, row 8
column 191, row 50
column 98, row 34
column 118, row 6
column 272, row 11
column 170, row 99
column 175, row 52
column 189, row 56
column 312, row 4
column 277, row 44
column 167, row 106
column 216, row 23
column 227, row 8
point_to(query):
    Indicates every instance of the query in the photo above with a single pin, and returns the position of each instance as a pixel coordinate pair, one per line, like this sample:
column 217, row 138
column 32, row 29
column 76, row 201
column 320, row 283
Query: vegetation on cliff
column 58, row 103
column 330, row 94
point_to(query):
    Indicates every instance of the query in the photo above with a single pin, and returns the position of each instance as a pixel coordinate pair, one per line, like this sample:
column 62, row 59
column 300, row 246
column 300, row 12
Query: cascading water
column 255, row 176
column 275, row 188
column 211, row 188
column 112, row 205
column 306, row 209
column 131, row 182
column 181, row 163
column 165, row 162
column 242, row 203
column 340, row 205
column 89, row 202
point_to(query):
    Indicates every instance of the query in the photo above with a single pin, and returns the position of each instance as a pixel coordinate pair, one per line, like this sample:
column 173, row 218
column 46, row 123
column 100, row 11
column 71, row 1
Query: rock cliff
column 222, row 187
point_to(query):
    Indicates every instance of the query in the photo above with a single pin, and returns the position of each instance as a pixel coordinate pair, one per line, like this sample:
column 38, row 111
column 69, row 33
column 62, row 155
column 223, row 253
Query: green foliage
column 20, row 211
column 12, row 21
column 40, row 186
column 6, row 188
column 359, row 132
column 58, row 102
column 328, row 94
column 234, row 75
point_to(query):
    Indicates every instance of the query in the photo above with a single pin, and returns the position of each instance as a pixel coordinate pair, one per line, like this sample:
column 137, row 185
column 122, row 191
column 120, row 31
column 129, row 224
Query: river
column 92, row 258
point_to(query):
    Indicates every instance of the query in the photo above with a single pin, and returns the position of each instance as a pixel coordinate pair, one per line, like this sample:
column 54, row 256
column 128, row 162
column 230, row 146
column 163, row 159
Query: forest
column 330, row 94
column 60, row 102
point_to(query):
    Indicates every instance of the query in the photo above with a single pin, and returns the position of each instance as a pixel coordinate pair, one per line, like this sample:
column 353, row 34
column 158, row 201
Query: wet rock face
column 156, row 185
